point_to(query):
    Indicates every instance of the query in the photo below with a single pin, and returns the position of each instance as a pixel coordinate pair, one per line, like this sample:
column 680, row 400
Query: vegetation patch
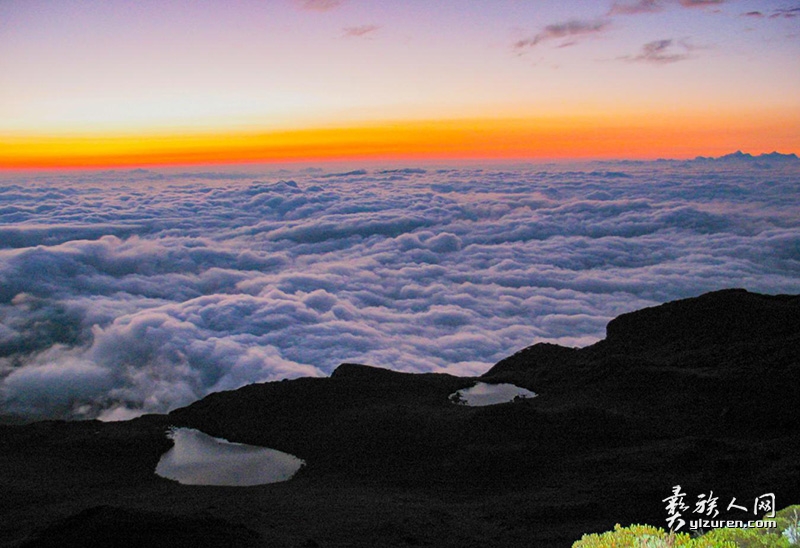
column 785, row 535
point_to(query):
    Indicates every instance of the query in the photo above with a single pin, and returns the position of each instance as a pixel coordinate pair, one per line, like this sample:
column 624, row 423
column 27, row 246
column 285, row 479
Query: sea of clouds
column 138, row 291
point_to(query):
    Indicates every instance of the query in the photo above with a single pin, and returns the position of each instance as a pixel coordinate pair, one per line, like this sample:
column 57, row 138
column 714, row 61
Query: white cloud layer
column 131, row 292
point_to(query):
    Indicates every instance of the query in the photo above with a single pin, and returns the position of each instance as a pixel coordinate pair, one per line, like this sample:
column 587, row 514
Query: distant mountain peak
column 740, row 156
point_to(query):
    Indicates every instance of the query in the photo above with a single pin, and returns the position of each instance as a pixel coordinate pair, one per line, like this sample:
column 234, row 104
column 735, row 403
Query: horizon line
column 510, row 140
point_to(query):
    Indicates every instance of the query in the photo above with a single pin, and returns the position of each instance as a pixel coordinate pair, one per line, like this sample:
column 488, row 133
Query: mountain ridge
column 740, row 156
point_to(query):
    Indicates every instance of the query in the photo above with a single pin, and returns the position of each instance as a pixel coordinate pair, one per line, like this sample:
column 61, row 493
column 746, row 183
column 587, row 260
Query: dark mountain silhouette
column 701, row 393
column 739, row 156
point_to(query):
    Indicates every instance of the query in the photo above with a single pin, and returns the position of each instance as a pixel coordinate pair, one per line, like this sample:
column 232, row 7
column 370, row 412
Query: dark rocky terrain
column 702, row 393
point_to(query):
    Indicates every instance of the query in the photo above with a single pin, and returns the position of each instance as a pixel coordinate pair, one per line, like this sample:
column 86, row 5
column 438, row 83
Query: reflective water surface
column 489, row 394
column 199, row 459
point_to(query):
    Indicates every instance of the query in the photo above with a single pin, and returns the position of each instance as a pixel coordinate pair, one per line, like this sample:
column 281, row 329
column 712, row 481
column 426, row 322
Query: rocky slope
column 701, row 393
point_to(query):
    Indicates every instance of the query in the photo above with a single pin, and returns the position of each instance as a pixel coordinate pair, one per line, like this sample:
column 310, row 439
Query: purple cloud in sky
column 787, row 13
column 569, row 29
column 319, row 5
column 360, row 31
column 661, row 52
column 700, row 3
column 633, row 8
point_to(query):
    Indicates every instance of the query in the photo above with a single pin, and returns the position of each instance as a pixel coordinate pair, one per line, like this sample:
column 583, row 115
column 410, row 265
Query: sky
column 91, row 83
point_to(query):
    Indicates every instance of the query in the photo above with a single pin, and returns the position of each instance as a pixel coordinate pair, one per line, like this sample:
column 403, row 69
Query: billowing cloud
column 131, row 292
column 571, row 31
column 360, row 31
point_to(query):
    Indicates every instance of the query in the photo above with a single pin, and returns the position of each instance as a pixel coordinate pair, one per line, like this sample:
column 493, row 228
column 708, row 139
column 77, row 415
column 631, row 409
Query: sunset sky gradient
column 89, row 83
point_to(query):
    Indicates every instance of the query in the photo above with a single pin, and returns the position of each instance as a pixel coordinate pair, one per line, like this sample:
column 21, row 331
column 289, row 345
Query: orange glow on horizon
column 521, row 139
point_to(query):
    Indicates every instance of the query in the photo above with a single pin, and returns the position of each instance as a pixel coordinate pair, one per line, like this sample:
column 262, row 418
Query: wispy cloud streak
column 319, row 5
column 360, row 31
column 786, row 13
column 700, row 3
column 634, row 8
column 572, row 30
column 662, row 52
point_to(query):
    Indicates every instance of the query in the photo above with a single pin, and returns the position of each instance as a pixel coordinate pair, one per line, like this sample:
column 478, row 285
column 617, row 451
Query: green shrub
column 748, row 538
column 785, row 535
column 635, row 536
column 789, row 524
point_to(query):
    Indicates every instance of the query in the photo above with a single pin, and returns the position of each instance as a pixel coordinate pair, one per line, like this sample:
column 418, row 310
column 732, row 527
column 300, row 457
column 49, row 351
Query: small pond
column 199, row 459
column 489, row 394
